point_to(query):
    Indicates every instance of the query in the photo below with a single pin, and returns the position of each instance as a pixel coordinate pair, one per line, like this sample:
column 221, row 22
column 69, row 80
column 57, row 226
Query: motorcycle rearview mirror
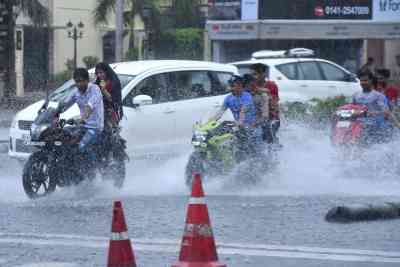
column 43, row 107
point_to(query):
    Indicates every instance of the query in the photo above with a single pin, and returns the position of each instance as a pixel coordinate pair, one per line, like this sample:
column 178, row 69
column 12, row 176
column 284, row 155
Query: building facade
column 344, row 31
column 45, row 51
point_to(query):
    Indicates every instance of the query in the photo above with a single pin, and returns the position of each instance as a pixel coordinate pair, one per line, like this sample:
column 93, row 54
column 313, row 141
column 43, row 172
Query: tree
column 90, row 61
column 39, row 16
column 186, row 13
column 147, row 9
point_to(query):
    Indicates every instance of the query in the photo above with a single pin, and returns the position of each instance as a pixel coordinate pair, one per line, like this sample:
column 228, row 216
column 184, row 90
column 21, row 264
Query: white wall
column 91, row 42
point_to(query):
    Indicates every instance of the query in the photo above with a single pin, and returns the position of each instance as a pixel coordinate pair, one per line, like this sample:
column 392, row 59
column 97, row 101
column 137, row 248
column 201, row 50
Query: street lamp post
column 75, row 32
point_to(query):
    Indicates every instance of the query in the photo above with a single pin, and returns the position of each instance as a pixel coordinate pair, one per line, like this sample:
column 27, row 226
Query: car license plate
column 29, row 142
column 27, row 139
column 343, row 124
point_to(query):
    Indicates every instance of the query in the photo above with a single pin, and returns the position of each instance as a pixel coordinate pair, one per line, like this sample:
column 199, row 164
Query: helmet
column 235, row 79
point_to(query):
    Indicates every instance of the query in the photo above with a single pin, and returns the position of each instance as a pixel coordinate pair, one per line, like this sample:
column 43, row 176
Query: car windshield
column 65, row 90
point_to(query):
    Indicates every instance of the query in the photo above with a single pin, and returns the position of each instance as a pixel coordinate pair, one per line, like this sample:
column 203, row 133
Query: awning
column 302, row 29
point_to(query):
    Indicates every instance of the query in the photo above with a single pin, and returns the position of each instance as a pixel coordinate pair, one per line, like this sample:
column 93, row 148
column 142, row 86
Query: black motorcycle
column 57, row 160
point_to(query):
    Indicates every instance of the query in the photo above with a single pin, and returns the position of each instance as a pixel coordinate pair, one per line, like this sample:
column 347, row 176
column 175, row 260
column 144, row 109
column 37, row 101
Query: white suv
column 162, row 100
column 301, row 77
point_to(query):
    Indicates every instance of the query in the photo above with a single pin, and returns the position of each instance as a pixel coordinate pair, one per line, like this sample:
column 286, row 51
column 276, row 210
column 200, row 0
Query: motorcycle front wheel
column 36, row 178
column 116, row 171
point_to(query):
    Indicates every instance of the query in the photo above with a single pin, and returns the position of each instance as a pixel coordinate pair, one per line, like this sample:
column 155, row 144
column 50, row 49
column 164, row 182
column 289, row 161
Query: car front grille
column 25, row 125
column 22, row 148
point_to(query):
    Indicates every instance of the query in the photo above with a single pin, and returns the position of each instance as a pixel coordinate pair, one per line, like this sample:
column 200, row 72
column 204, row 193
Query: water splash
column 308, row 165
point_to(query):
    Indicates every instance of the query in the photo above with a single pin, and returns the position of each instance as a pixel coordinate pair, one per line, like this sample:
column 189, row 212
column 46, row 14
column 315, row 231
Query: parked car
column 162, row 100
column 300, row 76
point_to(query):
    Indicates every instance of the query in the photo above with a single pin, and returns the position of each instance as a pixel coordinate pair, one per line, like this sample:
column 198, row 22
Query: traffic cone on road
column 198, row 245
column 120, row 253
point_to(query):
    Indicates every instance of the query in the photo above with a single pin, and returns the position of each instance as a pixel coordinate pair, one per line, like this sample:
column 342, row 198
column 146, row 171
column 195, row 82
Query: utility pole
column 119, row 21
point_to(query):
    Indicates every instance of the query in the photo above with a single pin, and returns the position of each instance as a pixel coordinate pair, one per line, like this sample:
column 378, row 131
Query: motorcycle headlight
column 345, row 113
column 199, row 136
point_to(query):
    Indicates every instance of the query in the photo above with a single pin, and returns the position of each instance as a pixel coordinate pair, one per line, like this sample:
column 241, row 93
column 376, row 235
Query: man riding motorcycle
column 378, row 110
column 241, row 104
column 89, row 99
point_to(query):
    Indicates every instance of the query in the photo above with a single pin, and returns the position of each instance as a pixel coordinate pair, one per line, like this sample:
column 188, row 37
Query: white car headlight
column 14, row 122
column 35, row 129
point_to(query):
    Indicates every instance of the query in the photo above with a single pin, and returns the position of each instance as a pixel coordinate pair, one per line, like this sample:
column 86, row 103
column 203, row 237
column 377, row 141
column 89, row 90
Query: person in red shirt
column 271, row 89
column 390, row 91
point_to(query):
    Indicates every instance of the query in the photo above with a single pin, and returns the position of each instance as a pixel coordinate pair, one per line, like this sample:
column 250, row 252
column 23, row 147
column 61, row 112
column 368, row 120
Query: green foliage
column 173, row 33
column 102, row 9
column 315, row 111
column 132, row 54
column 295, row 110
column 323, row 109
column 59, row 78
column 189, row 42
column 186, row 13
column 90, row 61
column 185, row 43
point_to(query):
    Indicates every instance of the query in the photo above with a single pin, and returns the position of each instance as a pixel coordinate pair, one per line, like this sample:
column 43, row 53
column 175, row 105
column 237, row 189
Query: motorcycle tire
column 36, row 173
column 115, row 171
column 194, row 165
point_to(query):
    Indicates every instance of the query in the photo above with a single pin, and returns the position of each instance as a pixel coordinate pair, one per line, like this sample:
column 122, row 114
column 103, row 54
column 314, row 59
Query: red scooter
column 347, row 128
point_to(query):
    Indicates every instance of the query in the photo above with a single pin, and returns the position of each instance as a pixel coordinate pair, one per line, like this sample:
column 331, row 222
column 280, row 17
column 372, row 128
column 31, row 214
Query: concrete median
column 357, row 213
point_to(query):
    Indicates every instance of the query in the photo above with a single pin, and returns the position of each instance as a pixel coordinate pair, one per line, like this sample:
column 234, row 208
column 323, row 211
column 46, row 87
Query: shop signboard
column 233, row 30
column 317, row 9
column 387, row 10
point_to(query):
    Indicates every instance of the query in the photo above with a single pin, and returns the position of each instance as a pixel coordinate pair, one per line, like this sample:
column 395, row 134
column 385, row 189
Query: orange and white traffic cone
column 198, row 245
column 120, row 253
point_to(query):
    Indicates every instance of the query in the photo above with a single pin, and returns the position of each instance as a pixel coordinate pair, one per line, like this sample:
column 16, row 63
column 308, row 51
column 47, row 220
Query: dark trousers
column 269, row 131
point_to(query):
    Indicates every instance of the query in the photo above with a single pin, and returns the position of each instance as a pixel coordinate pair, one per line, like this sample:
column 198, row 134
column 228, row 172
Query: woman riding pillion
column 110, row 87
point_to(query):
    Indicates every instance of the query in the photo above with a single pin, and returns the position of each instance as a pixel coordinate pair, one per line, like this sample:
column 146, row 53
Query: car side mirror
column 142, row 100
column 351, row 77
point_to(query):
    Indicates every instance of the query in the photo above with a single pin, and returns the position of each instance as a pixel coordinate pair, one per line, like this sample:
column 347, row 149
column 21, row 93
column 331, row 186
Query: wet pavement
column 279, row 222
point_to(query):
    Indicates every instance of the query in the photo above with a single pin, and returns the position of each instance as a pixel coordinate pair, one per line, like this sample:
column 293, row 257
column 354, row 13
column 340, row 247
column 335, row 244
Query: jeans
column 89, row 139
